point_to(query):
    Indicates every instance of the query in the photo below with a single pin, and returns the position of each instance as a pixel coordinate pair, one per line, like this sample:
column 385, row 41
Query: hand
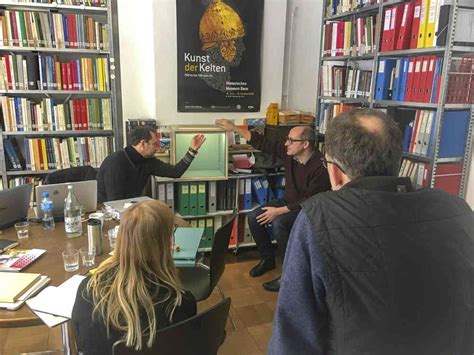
column 225, row 124
column 197, row 141
column 268, row 215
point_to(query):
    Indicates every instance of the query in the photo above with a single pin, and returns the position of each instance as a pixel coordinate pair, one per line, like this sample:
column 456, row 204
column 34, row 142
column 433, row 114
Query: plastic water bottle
column 47, row 209
column 72, row 215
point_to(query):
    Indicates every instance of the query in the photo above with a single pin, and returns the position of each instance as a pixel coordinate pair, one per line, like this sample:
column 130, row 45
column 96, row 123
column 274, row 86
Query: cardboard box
column 288, row 117
column 272, row 114
column 306, row 117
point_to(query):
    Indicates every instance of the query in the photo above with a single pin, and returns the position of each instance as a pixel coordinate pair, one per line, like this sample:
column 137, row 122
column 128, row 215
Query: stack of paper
column 34, row 288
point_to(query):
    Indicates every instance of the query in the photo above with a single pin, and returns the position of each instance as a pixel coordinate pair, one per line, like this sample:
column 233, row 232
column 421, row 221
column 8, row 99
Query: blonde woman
column 136, row 291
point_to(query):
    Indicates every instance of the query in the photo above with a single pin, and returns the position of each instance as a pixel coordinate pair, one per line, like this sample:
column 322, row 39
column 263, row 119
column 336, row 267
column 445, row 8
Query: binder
column 161, row 192
column 397, row 80
column 441, row 32
column 193, row 198
column 386, row 30
column 403, row 39
column 432, row 140
column 436, row 81
column 431, row 23
column 212, row 188
column 383, row 78
column 209, row 232
column 414, row 136
column 233, row 235
column 395, row 22
column 421, row 131
column 423, row 22
column 266, row 187
column 407, row 136
column 411, row 71
column 420, row 90
column 415, row 26
column 454, row 134
column 403, row 80
column 240, row 228
column 248, row 238
column 429, row 79
column 202, row 197
column 241, row 199
column 248, row 194
column 201, row 223
column 221, row 196
column 448, row 178
column 258, row 191
column 170, row 195
column 183, row 198
column 427, row 133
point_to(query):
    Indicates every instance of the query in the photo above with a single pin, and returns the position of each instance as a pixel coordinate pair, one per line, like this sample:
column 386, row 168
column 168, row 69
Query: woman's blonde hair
column 125, row 286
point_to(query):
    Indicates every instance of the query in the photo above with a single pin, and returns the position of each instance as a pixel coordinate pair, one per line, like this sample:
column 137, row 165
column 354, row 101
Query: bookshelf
column 60, row 90
column 438, row 155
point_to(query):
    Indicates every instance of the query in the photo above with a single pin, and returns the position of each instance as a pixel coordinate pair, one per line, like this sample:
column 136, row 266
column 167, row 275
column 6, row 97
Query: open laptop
column 118, row 206
column 14, row 204
column 85, row 191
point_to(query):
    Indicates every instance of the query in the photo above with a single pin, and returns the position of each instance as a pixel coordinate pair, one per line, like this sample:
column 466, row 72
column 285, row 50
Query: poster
column 219, row 55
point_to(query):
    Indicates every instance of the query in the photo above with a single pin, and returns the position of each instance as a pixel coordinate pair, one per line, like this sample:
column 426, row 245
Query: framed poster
column 219, row 55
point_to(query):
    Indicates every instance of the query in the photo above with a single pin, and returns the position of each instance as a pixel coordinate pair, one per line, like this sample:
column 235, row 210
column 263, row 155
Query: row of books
column 32, row 71
column 419, row 129
column 416, row 171
column 94, row 3
column 52, row 30
column 330, row 110
column 22, row 180
column 241, row 232
column 38, row 154
column 353, row 37
column 461, row 80
column 336, row 7
column 414, row 79
column 417, row 24
column 20, row 114
column 342, row 81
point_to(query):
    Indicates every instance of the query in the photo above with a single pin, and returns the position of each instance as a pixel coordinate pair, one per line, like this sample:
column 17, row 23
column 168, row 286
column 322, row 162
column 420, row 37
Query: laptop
column 118, row 206
column 14, row 204
column 85, row 191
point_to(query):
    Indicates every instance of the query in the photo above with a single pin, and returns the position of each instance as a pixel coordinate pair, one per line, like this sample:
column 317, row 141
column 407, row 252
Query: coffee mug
column 98, row 215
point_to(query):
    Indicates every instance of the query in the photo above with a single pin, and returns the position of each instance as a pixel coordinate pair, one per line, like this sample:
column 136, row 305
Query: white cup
column 100, row 216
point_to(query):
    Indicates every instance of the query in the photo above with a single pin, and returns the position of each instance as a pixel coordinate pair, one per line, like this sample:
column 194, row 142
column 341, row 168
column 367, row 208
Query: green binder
column 209, row 231
column 193, row 198
column 202, row 197
column 202, row 224
column 183, row 198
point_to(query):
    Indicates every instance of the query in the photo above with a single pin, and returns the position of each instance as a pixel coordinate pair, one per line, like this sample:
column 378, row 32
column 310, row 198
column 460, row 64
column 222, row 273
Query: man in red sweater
column 304, row 177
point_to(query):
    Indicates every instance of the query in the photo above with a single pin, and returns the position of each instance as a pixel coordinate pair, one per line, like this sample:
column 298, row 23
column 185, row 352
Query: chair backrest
column 79, row 173
column 219, row 249
column 201, row 334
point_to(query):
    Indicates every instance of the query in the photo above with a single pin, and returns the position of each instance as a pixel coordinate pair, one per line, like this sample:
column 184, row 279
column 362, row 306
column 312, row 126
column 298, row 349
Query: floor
column 252, row 311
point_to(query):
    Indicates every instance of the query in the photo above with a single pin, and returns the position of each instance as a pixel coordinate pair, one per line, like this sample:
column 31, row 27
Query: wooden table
column 50, row 263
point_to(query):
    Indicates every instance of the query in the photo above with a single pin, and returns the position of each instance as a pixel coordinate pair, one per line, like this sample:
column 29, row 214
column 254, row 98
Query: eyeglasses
column 292, row 140
column 326, row 162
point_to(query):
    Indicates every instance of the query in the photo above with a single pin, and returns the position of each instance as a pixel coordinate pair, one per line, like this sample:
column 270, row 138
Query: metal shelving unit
column 113, row 54
column 446, row 52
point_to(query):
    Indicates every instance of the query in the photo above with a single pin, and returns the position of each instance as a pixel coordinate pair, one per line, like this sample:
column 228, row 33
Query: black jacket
column 399, row 268
column 91, row 333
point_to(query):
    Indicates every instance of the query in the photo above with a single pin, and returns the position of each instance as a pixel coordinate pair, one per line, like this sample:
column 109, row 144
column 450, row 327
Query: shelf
column 56, row 93
column 292, row 124
column 244, row 151
column 392, row 2
column 425, row 105
column 412, row 52
column 39, row 6
column 244, row 176
column 54, row 50
column 213, row 214
column 449, row 160
column 243, row 245
column 29, row 172
column 348, row 58
column 463, row 49
column 345, row 100
column 61, row 133
column 362, row 10
column 416, row 157
column 249, row 210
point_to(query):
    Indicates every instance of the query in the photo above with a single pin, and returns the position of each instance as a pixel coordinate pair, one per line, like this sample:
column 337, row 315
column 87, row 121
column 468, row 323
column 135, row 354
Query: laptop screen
column 20, row 198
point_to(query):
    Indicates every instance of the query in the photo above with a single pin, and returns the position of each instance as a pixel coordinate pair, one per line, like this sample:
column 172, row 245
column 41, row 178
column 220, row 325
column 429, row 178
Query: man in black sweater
column 123, row 174
column 304, row 177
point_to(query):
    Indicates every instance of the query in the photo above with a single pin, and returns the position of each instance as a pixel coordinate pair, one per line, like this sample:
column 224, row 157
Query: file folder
column 248, row 194
column 383, row 78
column 204, row 243
column 403, row 39
column 161, row 192
column 183, row 198
column 431, row 23
column 429, row 79
column 193, row 198
column 212, row 194
column 258, row 191
column 202, row 197
column 415, row 26
column 423, row 22
column 386, row 30
column 209, row 232
column 409, row 86
column 403, row 81
column 454, row 134
column 428, row 132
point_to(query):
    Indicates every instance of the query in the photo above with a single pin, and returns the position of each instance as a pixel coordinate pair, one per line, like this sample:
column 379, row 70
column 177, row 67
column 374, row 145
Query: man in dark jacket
column 374, row 267
column 123, row 174
column 304, row 177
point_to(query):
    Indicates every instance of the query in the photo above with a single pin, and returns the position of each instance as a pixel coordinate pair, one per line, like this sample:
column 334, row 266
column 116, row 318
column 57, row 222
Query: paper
column 57, row 301
column 43, row 281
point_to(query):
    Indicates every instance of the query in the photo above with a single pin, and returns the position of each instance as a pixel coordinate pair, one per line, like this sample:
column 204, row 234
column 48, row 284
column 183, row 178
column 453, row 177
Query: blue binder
column 454, row 134
column 248, row 194
column 437, row 73
column 383, row 78
column 258, row 191
column 403, row 79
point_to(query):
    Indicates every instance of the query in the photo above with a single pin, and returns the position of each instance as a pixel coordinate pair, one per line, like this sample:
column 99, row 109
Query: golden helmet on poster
column 221, row 24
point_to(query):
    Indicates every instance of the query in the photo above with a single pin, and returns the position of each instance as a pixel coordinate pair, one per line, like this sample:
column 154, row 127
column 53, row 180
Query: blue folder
column 188, row 240
column 383, row 78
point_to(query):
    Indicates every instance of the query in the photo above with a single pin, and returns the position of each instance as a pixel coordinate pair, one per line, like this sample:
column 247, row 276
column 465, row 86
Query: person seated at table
column 135, row 292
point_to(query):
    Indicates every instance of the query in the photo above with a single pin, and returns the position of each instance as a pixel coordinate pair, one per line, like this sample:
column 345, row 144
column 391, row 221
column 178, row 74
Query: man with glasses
column 304, row 177
column 123, row 174
column 374, row 267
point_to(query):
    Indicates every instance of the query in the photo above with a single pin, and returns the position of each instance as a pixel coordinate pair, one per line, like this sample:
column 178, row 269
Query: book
column 14, row 285
column 6, row 244
column 31, row 291
column 18, row 259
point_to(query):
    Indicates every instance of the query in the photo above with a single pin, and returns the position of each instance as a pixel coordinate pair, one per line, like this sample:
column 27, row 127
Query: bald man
column 304, row 177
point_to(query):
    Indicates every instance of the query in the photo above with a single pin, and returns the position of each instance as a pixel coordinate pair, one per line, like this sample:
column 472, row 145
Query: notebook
column 18, row 259
column 6, row 244
column 20, row 198
column 15, row 284
column 31, row 291
column 85, row 191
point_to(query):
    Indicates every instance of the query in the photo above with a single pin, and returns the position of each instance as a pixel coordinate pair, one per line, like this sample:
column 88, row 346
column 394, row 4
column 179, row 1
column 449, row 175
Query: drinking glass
column 71, row 259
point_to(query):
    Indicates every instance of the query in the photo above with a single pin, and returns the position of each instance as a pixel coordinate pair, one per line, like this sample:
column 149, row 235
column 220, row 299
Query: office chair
column 202, row 279
column 201, row 334
column 79, row 173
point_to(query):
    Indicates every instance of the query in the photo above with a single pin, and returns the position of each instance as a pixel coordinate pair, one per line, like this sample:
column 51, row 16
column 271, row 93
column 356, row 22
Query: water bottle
column 72, row 215
column 47, row 209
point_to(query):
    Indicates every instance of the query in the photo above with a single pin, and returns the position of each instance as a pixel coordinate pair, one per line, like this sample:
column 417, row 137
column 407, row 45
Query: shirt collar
column 306, row 161
column 382, row 183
